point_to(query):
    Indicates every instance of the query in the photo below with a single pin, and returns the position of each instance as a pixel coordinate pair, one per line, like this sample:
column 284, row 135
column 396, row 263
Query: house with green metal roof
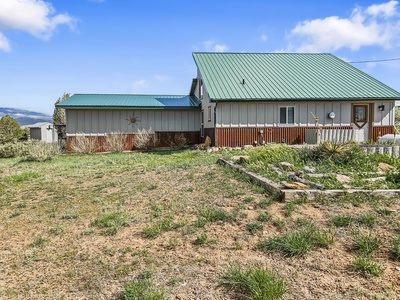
column 248, row 98
column 251, row 98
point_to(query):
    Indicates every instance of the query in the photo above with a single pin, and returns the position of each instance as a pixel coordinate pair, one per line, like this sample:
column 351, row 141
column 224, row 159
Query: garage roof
column 121, row 101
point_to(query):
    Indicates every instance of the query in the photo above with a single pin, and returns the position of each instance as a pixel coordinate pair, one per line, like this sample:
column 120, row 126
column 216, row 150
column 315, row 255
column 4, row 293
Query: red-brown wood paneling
column 378, row 131
column 193, row 137
column 234, row 137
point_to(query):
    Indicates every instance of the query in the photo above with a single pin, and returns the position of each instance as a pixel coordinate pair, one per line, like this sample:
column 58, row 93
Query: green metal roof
column 286, row 76
column 119, row 101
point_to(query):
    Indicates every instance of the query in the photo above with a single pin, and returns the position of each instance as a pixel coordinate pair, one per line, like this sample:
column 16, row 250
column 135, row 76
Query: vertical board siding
column 234, row 137
column 236, row 115
column 105, row 121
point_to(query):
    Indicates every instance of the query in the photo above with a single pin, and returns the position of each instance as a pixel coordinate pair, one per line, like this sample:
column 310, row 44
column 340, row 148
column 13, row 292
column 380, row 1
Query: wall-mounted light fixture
column 331, row 115
column 381, row 107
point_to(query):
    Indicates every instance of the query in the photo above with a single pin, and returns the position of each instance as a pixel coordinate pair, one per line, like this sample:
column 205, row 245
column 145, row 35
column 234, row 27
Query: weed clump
column 84, row 144
column 366, row 244
column 115, row 142
column 396, row 248
column 146, row 139
column 254, row 282
column 298, row 242
column 111, row 222
column 341, row 221
column 338, row 153
column 366, row 266
column 160, row 226
column 142, row 288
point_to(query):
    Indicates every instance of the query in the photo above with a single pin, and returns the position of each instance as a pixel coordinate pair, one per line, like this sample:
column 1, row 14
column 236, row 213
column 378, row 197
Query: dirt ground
column 77, row 261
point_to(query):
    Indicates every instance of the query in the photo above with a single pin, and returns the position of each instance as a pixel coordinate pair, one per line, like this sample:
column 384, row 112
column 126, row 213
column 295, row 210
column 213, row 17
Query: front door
column 361, row 121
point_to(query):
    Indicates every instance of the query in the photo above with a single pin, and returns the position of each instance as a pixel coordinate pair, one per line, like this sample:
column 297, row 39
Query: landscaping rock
column 309, row 169
column 241, row 158
column 286, row 166
column 343, row 178
column 295, row 185
column 385, row 167
column 247, row 146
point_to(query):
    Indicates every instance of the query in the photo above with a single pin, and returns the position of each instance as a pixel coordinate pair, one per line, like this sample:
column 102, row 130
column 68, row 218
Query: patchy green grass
column 328, row 159
column 298, row 242
column 111, row 222
column 366, row 266
column 254, row 282
column 396, row 248
column 254, row 227
column 366, row 244
column 341, row 221
column 142, row 288
column 80, row 231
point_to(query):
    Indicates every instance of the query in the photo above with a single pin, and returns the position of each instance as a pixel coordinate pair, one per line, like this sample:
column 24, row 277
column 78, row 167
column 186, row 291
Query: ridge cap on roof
column 277, row 53
column 116, row 94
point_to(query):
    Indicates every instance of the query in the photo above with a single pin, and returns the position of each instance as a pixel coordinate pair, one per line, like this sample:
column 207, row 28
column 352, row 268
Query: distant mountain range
column 25, row 117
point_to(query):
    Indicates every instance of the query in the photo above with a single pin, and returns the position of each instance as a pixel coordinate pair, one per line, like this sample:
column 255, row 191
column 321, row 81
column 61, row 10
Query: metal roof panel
column 130, row 101
column 286, row 76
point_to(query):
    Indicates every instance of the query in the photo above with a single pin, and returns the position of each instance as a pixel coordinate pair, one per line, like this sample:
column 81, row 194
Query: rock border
column 290, row 195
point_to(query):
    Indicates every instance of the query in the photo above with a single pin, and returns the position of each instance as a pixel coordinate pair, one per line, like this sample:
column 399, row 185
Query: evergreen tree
column 10, row 130
column 59, row 117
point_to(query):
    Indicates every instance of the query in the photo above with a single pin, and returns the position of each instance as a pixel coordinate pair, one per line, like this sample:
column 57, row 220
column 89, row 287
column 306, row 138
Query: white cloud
column 4, row 44
column 138, row 86
column 263, row 37
column 36, row 17
column 376, row 25
column 212, row 46
column 385, row 9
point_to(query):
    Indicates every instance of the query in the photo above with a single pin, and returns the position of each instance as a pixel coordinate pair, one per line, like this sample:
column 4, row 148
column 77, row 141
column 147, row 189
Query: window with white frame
column 201, row 89
column 286, row 115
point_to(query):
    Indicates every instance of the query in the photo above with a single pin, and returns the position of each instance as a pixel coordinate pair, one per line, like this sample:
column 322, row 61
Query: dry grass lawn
column 81, row 226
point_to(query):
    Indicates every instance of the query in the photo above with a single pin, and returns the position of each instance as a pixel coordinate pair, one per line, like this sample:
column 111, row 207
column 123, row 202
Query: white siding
column 235, row 114
column 385, row 117
column 99, row 122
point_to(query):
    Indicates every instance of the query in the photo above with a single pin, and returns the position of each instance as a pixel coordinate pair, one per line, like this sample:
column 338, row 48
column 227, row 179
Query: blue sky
column 145, row 46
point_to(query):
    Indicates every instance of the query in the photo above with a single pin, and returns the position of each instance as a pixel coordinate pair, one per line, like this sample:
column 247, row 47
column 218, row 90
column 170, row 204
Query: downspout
column 215, row 124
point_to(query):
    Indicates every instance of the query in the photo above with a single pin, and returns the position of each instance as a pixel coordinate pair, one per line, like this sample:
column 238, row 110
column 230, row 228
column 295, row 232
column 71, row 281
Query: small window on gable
column 286, row 115
column 209, row 114
column 201, row 89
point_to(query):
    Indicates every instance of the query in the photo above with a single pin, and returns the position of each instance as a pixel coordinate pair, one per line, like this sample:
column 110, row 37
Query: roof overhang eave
column 306, row 99
column 131, row 107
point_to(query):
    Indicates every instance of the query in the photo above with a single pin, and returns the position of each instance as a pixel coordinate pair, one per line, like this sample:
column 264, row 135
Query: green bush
column 35, row 150
column 9, row 150
column 340, row 153
column 254, row 282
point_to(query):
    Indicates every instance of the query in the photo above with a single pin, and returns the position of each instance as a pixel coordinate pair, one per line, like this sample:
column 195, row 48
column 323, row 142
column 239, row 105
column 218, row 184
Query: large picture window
column 286, row 115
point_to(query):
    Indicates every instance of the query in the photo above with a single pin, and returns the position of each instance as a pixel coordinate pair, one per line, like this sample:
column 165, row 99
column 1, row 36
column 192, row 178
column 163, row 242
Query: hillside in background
column 25, row 117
